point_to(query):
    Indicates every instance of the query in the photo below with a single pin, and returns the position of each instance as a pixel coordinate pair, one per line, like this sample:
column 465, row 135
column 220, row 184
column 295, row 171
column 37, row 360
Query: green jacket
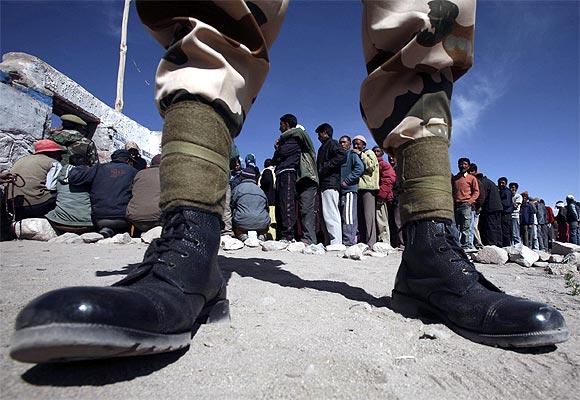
column 370, row 177
column 307, row 157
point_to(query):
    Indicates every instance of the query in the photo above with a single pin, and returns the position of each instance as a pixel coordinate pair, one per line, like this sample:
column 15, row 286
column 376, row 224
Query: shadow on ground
column 269, row 270
column 98, row 373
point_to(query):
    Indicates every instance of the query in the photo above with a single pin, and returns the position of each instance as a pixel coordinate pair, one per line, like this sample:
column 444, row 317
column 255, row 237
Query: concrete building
column 32, row 92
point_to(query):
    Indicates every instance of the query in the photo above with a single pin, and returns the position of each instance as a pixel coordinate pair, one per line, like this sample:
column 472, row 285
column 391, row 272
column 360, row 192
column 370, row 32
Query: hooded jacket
column 249, row 206
column 370, row 178
column 307, row 158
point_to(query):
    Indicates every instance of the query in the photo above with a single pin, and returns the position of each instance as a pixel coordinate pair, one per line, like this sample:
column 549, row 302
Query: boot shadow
column 269, row 270
column 99, row 372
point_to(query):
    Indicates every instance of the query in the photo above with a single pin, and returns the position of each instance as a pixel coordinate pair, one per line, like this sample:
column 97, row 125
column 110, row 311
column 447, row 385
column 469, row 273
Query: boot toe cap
column 89, row 305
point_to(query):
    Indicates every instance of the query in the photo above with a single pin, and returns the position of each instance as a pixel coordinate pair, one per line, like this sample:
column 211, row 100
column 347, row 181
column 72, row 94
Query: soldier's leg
column 414, row 51
column 215, row 62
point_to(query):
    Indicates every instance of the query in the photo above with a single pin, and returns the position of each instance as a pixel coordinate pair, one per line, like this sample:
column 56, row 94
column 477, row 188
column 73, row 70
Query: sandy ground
column 302, row 327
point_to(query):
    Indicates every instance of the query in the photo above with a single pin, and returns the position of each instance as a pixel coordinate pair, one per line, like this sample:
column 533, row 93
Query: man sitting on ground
column 111, row 185
column 249, row 207
column 143, row 208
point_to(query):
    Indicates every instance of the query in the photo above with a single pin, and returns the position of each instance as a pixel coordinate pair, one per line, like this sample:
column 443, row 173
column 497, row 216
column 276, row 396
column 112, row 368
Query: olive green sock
column 424, row 179
column 195, row 148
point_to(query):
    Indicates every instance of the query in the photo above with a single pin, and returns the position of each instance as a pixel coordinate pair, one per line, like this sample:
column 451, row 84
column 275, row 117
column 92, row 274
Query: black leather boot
column 152, row 310
column 437, row 281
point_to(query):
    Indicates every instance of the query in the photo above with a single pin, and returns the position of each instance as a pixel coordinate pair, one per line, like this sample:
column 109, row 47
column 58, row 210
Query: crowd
column 340, row 194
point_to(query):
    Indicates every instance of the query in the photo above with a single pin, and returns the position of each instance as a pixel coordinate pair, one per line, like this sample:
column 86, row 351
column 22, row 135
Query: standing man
column 517, row 201
column 465, row 193
column 573, row 219
column 350, row 172
column 542, row 215
column 368, row 187
column 330, row 158
column 506, row 197
column 414, row 52
column 490, row 206
column 387, row 178
column 267, row 183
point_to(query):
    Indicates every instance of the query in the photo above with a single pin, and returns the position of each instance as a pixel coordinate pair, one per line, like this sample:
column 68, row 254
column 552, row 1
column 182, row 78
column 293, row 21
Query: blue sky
column 516, row 113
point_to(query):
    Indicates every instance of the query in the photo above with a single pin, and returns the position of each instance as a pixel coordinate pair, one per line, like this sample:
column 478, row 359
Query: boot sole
column 63, row 342
column 414, row 308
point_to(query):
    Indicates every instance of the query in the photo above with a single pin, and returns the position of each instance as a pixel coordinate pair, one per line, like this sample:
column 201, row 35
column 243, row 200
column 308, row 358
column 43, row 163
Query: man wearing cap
column 111, row 185
column 72, row 135
column 137, row 161
column 368, row 187
column 39, row 172
column 215, row 62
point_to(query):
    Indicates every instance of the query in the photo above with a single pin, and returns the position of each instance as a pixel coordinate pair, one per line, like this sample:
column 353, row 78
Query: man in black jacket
column 111, row 185
column 330, row 158
column 489, row 202
column 507, row 203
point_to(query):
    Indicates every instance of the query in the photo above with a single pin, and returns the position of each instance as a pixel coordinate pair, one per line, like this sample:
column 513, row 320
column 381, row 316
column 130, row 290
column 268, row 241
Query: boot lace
column 458, row 254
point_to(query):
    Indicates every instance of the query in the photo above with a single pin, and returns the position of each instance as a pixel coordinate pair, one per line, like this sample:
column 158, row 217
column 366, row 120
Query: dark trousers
column 286, row 204
column 24, row 210
column 490, row 228
column 506, row 229
column 395, row 223
column 306, row 191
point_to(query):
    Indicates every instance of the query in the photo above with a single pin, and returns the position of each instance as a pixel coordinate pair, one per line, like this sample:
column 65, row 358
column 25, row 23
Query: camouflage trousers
column 217, row 53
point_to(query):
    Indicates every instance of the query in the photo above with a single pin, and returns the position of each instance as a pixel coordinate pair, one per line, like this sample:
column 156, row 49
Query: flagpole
column 122, row 57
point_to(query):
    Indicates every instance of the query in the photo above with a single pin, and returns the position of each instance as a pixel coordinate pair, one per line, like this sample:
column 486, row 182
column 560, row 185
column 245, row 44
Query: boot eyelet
column 184, row 254
column 172, row 264
column 195, row 242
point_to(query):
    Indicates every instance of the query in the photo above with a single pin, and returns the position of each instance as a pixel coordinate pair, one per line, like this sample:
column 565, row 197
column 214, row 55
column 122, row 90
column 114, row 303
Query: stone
column 68, row 238
column 491, row 255
column 296, row 247
column 573, row 259
column 382, row 247
column 336, row 247
column 556, row 258
column 252, row 242
column 522, row 255
column 435, row 331
column 151, row 234
column 560, row 269
column 91, row 237
column 375, row 254
column 34, row 229
column 121, row 238
column 540, row 264
column 317, row 249
column 363, row 246
column 272, row 245
column 354, row 253
column 544, row 256
column 233, row 244
column 563, row 249
column 136, row 241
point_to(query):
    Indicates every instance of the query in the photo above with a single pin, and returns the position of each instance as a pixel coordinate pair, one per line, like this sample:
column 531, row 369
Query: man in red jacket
column 387, row 178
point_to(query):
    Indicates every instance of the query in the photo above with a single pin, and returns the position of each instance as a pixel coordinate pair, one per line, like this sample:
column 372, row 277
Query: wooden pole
column 122, row 57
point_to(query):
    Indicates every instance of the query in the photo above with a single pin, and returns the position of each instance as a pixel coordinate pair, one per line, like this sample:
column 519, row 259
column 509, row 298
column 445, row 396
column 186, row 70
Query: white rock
column 136, row 241
column 91, row 237
column 122, row 238
column 564, row 248
column 363, row 246
column 252, row 242
column 522, row 255
column 492, row 255
column 296, row 247
column 382, row 247
column 272, row 245
column 317, row 249
column 560, row 269
column 336, row 247
column 375, row 254
column 544, row 256
column 354, row 253
column 556, row 258
column 34, row 229
column 233, row 244
column 68, row 237
column 151, row 234
column 572, row 259
column 541, row 264
column 106, row 241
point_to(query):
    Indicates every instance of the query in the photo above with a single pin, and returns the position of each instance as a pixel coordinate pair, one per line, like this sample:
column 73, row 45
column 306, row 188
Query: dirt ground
column 303, row 326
